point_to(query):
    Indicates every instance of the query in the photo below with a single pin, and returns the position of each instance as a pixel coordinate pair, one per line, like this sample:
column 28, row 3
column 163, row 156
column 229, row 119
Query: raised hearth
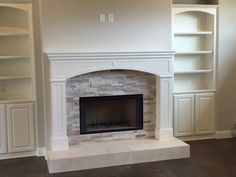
column 97, row 155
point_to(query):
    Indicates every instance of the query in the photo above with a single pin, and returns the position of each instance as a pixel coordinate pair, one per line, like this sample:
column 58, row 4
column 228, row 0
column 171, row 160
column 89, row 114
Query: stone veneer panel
column 106, row 83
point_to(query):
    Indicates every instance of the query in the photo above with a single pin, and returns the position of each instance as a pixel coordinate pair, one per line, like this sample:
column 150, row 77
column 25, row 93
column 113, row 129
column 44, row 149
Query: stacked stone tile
column 107, row 83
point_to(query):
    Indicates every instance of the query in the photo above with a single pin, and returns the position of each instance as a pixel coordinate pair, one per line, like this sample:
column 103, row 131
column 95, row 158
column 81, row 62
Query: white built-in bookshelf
column 17, row 79
column 16, row 53
column 195, row 45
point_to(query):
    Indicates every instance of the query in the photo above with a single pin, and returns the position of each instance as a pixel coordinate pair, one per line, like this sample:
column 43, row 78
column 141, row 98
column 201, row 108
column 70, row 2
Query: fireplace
column 111, row 113
column 109, row 149
column 62, row 67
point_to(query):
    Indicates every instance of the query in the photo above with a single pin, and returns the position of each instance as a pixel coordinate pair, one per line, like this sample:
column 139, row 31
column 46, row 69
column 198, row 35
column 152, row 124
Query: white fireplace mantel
column 63, row 66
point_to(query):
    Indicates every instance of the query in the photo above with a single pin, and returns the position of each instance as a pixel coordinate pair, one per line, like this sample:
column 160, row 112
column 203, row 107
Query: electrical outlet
column 102, row 18
column 110, row 17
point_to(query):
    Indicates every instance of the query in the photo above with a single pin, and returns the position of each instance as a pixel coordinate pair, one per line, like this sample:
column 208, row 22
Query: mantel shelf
column 195, row 52
column 194, row 72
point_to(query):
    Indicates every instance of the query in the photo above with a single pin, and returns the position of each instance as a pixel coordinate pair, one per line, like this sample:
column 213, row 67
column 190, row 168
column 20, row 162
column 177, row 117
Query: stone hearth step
column 105, row 154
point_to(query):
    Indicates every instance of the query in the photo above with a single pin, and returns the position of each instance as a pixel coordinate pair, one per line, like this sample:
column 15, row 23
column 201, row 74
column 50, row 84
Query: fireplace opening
column 111, row 113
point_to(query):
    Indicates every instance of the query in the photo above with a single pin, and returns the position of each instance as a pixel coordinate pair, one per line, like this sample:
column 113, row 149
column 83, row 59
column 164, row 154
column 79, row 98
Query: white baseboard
column 234, row 133
column 197, row 138
column 224, row 134
column 17, row 155
column 41, row 152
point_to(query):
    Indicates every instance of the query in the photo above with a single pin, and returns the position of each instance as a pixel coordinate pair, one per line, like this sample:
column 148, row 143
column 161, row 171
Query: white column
column 164, row 106
column 59, row 139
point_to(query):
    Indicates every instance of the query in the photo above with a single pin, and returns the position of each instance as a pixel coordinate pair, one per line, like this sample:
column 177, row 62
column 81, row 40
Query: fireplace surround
column 59, row 67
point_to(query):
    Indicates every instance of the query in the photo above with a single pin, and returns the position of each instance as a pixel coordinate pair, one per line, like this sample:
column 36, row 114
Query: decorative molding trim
column 18, row 155
column 59, row 139
column 198, row 138
column 40, row 152
column 224, row 134
column 11, row 110
column 3, row 133
column 110, row 55
column 234, row 133
column 194, row 6
column 67, row 65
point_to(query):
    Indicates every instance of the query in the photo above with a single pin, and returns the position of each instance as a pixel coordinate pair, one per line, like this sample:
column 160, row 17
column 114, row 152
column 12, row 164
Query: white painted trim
column 66, row 65
column 33, row 70
column 59, row 139
column 43, row 77
column 234, row 133
column 110, row 55
column 41, row 152
column 164, row 118
column 224, row 134
column 181, row 8
column 64, row 80
column 197, row 138
column 3, row 131
column 194, row 6
column 13, row 147
column 17, row 155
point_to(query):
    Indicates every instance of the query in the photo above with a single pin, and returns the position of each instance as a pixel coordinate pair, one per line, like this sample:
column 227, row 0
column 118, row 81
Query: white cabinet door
column 20, row 124
column 204, row 113
column 3, row 138
column 184, row 115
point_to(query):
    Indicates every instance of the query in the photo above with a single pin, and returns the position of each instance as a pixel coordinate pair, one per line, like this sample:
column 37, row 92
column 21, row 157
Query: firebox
column 111, row 113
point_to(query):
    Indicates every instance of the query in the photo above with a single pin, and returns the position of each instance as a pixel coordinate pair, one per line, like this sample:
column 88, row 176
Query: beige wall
column 227, row 65
column 73, row 25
